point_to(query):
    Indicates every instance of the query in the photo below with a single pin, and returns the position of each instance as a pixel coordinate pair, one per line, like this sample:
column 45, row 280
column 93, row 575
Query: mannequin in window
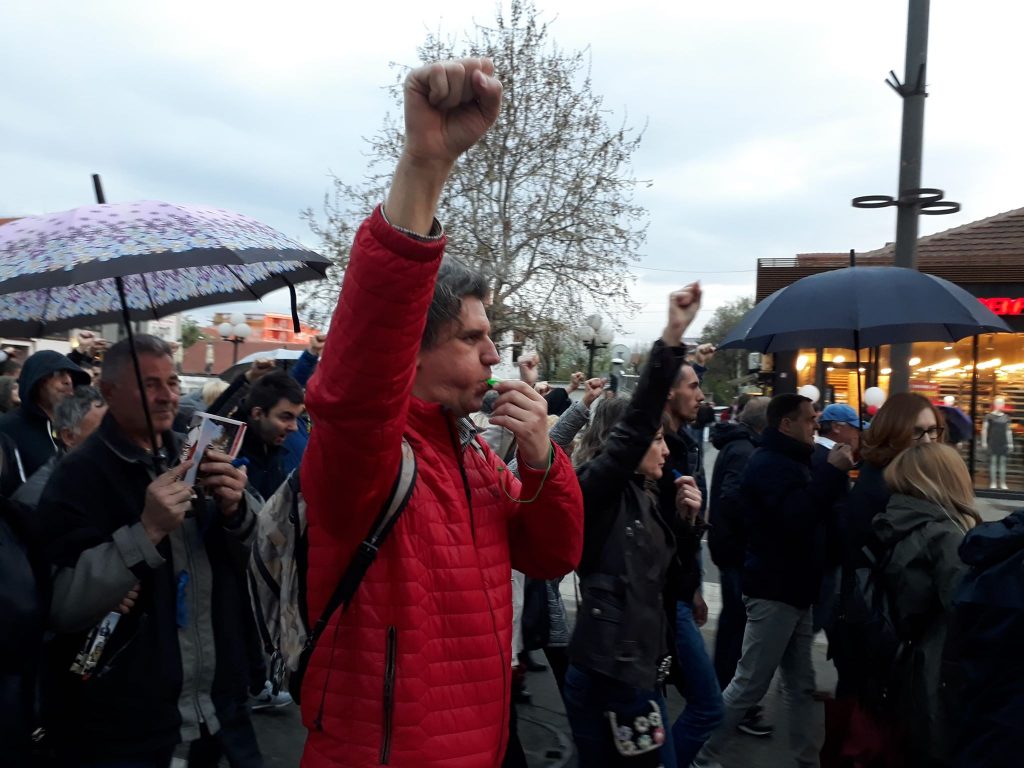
column 997, row 439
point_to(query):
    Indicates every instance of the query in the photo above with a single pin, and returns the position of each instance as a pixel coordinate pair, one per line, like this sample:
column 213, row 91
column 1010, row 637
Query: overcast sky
column 764, row 119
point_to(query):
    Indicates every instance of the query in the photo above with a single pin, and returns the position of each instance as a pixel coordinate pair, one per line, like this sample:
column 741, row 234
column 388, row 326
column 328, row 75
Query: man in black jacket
column 46, row 378
column 735, row 441
column 694, row 674
column 786, row 508
column 170, row 670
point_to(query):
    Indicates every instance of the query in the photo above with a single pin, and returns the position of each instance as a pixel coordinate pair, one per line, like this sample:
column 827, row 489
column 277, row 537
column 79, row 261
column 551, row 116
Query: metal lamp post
column 594, row 335
column 236, row 331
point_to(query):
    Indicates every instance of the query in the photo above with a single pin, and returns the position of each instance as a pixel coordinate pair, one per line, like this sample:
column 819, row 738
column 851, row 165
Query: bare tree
column 543, row 204
column 727, row 370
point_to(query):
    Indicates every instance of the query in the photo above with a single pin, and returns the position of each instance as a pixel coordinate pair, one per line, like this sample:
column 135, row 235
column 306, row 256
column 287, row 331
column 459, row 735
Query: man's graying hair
column 755, row 414
column 455, row 281
column 119, row 356
column 71, row 410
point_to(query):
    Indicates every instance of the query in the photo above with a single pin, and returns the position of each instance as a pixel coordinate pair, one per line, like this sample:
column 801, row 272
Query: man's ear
column 257, row 413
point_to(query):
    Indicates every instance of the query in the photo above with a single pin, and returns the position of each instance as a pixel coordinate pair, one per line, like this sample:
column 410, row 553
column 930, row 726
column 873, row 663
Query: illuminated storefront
column 983, row 376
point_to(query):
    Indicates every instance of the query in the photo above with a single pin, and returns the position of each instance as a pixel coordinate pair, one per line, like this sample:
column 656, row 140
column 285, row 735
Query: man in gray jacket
column 131, row 686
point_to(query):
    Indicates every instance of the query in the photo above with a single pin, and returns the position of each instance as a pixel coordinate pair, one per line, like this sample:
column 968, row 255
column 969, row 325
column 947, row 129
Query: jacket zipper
column 390, row 666
column 505, row 664
column 194, row 628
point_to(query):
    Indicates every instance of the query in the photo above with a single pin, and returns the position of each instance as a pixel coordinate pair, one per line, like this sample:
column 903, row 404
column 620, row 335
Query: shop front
column 982, row 376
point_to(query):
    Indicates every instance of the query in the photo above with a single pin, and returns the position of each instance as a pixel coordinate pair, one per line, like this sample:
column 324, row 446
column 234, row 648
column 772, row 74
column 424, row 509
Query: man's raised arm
column 359, row 395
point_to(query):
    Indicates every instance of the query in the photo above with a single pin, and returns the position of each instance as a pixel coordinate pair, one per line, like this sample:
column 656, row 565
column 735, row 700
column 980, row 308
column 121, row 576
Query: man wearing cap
column 46, row 378
column 838, row 424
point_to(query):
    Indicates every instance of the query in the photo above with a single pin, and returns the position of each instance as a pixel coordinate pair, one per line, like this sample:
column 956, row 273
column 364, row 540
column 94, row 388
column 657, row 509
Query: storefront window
column 945, row 374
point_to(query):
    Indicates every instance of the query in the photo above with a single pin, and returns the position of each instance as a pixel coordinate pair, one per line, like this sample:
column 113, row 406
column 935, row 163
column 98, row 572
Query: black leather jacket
column 621, row 629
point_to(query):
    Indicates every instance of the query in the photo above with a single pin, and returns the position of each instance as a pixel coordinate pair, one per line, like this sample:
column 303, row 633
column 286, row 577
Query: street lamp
column 594, row 335
column 236, row 331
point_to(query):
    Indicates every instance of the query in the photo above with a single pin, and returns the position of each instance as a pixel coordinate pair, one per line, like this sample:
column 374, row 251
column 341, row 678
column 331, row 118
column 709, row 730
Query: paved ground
column 544, row 729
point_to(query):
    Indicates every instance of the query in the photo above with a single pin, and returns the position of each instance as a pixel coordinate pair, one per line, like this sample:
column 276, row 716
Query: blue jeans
column 704, row 708
column 588, row 696
column 731, row 623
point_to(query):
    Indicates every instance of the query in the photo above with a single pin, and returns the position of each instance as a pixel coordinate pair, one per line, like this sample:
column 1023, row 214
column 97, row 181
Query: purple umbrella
column 139, row 261
column 61, row 270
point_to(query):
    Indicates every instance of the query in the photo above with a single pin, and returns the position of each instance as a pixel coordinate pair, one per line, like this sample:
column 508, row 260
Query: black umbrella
column 859, row 307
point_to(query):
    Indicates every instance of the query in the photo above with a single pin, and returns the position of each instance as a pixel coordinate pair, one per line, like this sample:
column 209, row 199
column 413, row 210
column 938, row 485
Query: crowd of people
column 130, row 639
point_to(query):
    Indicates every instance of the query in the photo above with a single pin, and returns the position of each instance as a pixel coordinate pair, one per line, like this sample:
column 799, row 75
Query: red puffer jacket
column 417, row 672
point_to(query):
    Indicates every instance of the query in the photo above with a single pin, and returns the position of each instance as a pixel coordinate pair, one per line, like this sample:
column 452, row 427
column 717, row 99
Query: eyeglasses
column 934, row 433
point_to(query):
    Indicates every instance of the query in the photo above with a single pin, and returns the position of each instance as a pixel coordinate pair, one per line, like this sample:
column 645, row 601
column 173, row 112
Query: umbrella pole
column 157, row 464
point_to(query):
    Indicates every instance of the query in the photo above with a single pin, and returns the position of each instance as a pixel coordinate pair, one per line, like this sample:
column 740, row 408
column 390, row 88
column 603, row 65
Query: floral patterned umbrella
column 61, row 270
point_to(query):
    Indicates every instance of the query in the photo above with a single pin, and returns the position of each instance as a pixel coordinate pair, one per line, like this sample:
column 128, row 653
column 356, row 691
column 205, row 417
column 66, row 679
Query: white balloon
column 810, row 392
column 874, row 396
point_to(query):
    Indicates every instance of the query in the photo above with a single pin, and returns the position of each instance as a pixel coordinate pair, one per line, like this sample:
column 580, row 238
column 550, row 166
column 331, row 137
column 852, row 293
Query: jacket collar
column 773, row 440
column 435, row 422
column 111, row 434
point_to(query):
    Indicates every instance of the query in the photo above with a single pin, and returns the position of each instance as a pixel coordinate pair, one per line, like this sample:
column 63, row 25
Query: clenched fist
column 592, row 390
column 683, row 306
column 448, row 107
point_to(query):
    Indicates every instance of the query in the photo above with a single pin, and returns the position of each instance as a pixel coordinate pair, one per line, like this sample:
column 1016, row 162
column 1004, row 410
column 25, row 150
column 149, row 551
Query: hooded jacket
column 786, row 510
column 921, row 579
column 984, row 646
column 29, row 426
column 417, row 671
column 736, row 444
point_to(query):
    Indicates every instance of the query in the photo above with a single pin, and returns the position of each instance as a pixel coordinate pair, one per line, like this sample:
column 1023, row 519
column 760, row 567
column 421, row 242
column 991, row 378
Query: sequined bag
column 638, row 738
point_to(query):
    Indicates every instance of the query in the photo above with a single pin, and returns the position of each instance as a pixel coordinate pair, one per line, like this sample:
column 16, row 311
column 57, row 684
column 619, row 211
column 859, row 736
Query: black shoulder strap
column 366, row 553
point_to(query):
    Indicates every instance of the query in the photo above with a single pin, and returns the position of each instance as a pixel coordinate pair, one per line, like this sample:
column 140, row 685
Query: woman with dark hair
column 904, row 420
column 619, row 652
column 928, row 516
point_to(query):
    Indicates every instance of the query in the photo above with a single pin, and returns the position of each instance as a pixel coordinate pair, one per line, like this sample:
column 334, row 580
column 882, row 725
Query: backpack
column 277, row 567
column 866, row 627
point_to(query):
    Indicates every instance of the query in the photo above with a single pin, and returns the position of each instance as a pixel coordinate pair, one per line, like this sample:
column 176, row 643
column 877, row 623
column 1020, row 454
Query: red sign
column 1005, row 307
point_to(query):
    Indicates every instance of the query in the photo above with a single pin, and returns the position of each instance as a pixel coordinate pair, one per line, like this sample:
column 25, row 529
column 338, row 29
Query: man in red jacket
column 417, row 671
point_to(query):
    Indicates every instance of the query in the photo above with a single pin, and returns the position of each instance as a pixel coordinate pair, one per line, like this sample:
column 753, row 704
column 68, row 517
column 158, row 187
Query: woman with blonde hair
column 928, row 515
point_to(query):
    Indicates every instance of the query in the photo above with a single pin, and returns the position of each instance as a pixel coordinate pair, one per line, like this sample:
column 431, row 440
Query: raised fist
column 259, row 369
column 316, row 344
column 448, row 107
column 592, row 390
column 529, row 368
column 683, row 306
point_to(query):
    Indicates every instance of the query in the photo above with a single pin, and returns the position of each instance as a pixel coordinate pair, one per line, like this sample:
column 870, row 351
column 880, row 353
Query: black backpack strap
column 366, row 553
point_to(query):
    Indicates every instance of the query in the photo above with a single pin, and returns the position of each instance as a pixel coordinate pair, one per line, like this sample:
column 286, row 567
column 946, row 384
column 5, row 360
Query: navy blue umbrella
column 859, row 307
